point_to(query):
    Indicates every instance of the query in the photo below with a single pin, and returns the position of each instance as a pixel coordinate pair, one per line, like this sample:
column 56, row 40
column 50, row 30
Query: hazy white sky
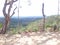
column 35, row 9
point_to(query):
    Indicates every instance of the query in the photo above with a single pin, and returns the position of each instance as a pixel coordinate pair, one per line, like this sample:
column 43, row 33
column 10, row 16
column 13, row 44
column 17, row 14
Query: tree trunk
column 5, row 25
column 43, row 17
column 43, row 22
column 7, row 15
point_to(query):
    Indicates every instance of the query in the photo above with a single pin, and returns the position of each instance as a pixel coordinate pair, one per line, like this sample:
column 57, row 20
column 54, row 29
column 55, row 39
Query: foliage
column 12, row 31
column 0, row 25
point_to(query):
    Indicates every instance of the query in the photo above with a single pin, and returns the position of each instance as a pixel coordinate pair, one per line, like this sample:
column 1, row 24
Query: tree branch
column 11, row 1
column 13, row 12
column 8, row 2
column 4, row 8
column 15, row 0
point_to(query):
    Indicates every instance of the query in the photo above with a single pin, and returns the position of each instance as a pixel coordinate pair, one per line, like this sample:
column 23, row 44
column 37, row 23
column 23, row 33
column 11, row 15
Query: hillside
column 37, row 24
column 30, row 23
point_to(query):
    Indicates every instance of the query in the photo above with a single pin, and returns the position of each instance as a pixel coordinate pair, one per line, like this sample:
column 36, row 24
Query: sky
column 34, row 9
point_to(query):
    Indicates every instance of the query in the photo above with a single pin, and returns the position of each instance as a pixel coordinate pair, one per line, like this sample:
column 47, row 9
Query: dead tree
column 43, row 16
column 58, row 15
column 7, row 16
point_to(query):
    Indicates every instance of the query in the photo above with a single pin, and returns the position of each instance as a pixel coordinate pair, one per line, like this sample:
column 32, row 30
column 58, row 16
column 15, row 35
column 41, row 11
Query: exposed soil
column 31, row 38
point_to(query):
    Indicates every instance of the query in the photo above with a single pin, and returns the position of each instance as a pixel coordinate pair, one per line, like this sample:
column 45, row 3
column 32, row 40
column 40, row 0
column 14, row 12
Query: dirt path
column 34, row 38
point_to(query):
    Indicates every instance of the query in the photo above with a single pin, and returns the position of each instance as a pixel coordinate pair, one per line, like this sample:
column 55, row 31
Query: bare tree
column 43, row 16
column 7, row 15
column 58, row 15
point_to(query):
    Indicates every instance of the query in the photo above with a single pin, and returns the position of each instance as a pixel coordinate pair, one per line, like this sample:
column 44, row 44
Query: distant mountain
column 27, row 20
column 22, row 21
column 1, row 20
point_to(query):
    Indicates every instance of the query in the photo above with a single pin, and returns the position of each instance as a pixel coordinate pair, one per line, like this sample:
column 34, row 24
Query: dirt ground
column 31, row 38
